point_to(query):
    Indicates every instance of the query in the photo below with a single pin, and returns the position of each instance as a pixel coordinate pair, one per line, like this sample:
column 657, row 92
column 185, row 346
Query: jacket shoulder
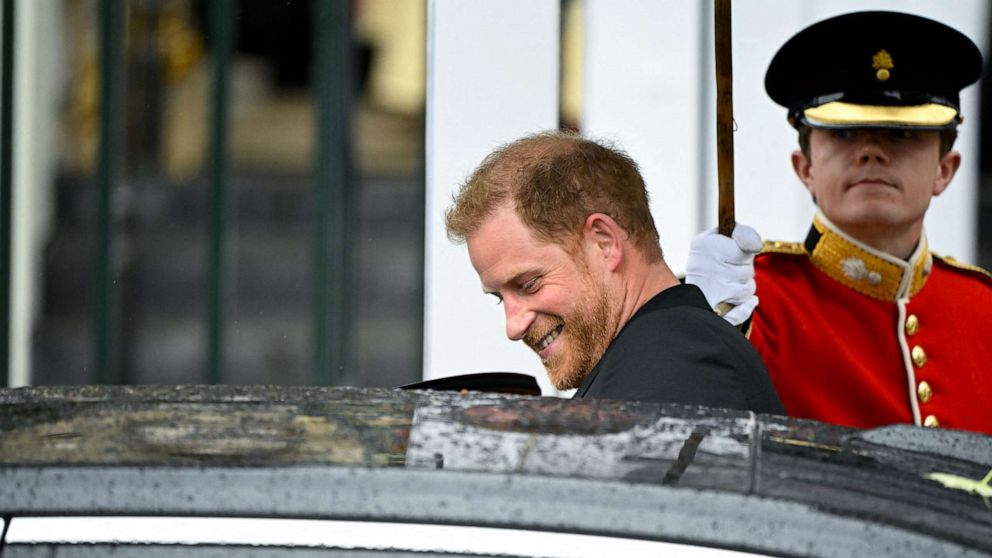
column 966, row 269
column 783, row 247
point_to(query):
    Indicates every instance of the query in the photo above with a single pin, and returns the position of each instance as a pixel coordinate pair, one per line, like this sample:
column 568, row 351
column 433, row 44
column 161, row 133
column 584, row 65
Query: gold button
column 919, row 356
column 931, row 422
column 912, row 324
column 924, row 391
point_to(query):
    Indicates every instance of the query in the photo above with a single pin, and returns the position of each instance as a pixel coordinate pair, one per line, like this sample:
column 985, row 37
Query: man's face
column 872, row 180
column 555, row 302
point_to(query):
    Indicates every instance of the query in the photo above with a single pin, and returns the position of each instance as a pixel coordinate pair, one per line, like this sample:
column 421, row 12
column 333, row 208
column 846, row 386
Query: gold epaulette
column 984, row 274
column 783, row 247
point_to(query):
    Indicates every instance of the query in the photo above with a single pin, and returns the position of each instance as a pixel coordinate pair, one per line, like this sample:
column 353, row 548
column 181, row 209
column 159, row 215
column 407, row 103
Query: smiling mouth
column 549, row 338
column 541, row 344
column 542, row 334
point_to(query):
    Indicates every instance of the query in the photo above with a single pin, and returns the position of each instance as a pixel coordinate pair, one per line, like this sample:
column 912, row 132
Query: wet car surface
column 642, row 472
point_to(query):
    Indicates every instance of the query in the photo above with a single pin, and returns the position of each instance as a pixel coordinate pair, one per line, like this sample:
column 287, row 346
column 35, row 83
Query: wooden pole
column 724, row 117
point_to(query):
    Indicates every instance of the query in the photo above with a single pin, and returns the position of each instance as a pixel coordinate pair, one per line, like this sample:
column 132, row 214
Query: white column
column 37, row 68
column 492, row 76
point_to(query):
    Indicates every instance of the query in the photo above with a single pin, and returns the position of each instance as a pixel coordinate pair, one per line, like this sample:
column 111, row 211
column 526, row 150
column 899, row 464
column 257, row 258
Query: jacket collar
column 864, row 269
column 672, row 297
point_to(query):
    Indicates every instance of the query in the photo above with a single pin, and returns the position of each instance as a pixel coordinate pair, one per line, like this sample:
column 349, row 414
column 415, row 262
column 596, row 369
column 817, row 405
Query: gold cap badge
column 882, row 62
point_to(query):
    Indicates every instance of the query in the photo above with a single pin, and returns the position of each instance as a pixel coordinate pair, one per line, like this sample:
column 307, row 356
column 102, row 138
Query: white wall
column 644, row 90
column 649, row 88
column 492, row 77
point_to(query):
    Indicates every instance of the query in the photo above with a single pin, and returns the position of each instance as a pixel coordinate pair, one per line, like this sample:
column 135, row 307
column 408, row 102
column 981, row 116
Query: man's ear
column 604, row 240
column 804, row 170
column 946, row 169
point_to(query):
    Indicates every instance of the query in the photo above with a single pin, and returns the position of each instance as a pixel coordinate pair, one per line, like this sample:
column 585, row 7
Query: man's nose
column 871, row 148
column 518, row 318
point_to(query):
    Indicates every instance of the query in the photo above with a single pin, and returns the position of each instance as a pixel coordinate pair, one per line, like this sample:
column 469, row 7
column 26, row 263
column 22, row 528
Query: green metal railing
column 106, row 364
column 331, row 40
column 221, row 31
column 331, row 159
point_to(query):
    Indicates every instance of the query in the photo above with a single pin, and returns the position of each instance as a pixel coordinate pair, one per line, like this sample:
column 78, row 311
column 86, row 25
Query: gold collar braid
column 864, row 269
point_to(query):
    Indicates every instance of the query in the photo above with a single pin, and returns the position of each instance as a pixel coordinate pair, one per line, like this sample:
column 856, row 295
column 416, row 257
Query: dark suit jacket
column 676, row 350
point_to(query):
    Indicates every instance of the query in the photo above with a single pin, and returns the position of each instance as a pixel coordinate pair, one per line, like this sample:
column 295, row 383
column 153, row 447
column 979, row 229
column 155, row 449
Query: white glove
column 723, row 268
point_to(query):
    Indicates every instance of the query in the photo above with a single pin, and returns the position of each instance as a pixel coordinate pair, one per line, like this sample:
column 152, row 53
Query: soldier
column 861, row 324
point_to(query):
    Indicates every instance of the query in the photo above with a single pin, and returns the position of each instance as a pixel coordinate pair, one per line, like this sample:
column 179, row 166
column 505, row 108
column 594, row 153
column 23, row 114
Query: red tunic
column 853, row 336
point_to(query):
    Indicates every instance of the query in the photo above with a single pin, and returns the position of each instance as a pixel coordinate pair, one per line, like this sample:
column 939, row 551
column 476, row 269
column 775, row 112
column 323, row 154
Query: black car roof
column 672, row 472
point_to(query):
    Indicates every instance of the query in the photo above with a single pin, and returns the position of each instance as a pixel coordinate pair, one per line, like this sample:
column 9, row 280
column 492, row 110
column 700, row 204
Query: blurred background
column 249, row 191
column 251, row 234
